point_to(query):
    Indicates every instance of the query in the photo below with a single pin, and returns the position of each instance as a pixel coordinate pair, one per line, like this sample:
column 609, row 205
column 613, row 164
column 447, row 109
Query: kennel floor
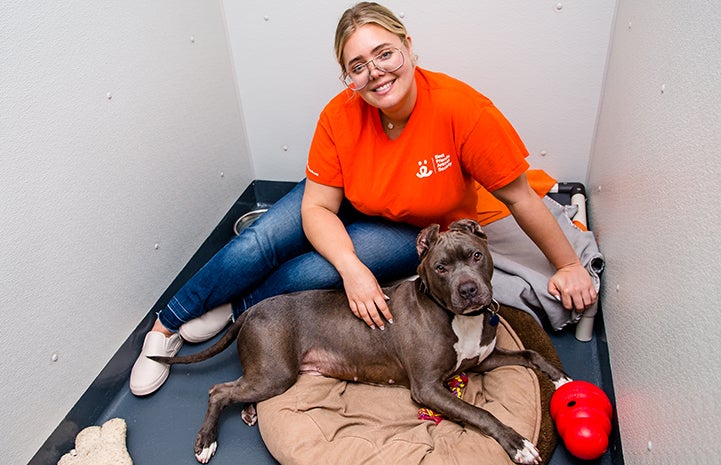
column 162, row 427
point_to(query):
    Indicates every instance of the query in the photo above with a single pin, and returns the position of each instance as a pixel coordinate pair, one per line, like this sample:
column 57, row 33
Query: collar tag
column 493, row 321
column 494, row 307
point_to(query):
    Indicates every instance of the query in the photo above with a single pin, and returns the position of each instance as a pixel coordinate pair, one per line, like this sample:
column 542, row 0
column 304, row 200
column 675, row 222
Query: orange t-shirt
column 455, row 136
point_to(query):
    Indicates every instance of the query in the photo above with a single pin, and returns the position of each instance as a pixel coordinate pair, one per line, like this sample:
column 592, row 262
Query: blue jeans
column 273, row 257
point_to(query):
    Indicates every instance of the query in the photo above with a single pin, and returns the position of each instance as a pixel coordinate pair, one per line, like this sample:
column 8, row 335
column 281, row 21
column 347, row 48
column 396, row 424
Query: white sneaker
column 207, row 325
column 148, row 375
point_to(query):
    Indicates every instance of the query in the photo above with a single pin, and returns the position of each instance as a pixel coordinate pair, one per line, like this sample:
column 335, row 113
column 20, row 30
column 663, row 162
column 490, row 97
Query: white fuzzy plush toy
column 97, row 445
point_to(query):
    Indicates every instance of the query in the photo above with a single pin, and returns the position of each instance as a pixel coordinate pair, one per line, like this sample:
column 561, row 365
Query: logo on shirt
column 438, row 164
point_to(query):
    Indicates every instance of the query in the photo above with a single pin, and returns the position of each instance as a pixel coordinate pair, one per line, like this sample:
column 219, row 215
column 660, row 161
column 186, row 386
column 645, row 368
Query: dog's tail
column 211, row 351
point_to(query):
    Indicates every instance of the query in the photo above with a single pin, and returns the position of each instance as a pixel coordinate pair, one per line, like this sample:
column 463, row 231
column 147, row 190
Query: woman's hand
column 573, row 287
column 326, row 232
column 366, row 298
column 571, row 284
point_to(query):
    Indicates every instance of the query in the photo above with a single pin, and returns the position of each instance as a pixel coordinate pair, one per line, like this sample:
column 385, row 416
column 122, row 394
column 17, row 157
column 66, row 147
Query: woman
column 400, row 149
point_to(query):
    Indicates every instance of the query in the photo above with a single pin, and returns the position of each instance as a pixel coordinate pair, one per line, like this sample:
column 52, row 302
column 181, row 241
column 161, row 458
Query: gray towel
column 521, row 274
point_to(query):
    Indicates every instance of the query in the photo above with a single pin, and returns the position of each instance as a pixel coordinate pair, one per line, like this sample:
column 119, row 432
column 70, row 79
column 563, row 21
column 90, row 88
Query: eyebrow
column 374, row 52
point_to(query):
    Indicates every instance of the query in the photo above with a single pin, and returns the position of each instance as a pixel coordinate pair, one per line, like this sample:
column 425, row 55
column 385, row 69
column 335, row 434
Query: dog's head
column 456, row 266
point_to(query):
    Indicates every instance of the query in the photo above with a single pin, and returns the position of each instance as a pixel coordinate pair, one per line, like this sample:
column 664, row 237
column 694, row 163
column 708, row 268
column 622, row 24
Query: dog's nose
column 468, row 290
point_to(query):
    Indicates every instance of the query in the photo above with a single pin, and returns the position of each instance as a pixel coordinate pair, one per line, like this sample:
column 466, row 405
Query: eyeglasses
column 389, row 60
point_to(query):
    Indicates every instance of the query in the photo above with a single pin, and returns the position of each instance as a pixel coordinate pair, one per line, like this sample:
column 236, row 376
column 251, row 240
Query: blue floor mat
column 162, row 427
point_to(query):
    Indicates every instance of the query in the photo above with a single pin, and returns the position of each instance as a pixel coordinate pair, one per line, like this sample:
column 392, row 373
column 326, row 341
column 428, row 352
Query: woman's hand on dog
column 366, row 298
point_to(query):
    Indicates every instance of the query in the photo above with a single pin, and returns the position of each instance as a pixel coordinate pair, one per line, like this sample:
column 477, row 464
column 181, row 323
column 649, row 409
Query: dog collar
column 493, row 308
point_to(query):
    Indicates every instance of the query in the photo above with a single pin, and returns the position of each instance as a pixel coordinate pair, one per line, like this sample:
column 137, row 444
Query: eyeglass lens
column 387, row 61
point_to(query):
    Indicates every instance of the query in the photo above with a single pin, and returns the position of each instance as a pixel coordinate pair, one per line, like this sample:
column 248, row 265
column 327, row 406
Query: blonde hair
column 361, row 14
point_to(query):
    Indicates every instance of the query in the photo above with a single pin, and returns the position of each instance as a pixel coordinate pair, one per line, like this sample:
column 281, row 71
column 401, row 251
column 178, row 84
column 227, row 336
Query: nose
column 468, row 290
column 374, row 70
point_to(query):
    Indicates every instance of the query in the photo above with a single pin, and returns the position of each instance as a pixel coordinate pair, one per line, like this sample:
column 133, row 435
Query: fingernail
column 387, row 298
column 373, row 326
column 382, row 328
column 390, row 321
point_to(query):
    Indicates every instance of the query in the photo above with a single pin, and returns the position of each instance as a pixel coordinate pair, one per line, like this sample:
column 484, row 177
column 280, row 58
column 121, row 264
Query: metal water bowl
column 247, row 219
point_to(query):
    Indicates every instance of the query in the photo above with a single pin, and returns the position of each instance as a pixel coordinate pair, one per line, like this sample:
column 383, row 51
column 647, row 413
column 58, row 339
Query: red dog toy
column 582, row 413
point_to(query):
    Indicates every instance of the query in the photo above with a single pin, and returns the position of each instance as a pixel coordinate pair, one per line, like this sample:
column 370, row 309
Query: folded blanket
column 521, row 274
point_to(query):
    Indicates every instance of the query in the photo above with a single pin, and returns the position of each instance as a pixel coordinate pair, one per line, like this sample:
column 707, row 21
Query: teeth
column 384, row 87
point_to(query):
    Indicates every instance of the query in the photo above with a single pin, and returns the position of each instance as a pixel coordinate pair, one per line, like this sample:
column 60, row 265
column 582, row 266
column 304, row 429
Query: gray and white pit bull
column 444, row 323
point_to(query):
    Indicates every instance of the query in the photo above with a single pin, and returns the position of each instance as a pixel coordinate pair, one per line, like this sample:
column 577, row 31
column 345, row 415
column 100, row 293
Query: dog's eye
column 440, row 268
column 477, row 255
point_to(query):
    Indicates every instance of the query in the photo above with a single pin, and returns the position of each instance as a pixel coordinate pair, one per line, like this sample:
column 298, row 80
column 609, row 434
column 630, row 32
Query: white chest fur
column 469, row 330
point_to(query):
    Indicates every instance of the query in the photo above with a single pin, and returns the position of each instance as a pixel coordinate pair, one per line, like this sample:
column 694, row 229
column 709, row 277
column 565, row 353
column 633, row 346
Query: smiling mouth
column 385, row 86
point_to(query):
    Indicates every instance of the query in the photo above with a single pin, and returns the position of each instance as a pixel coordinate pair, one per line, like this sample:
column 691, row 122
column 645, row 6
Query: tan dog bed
column 326, row 421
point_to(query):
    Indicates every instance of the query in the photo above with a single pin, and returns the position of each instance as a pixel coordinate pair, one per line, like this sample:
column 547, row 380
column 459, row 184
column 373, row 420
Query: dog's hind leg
column 220, row 396
column 246, row 390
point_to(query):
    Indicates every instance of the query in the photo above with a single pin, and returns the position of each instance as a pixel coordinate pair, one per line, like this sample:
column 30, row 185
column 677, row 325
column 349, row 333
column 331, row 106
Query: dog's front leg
column 525, row 358
column 438, row 398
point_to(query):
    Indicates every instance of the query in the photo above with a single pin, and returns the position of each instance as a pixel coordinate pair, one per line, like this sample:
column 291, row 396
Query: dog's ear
column 426, row 238
column 468, row 225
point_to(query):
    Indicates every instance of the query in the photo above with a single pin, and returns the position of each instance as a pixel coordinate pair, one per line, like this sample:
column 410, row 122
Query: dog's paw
column 207, row 453
column 249, row 415
column 560, row 382
column 528, row 454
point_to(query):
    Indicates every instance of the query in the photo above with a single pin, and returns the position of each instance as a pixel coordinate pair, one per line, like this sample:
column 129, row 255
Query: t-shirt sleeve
column 493, row 152
column 323, row 163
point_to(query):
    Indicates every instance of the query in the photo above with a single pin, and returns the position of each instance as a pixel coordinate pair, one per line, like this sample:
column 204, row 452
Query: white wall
column 654, row 181
column 89, row 184
column 542, row 65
